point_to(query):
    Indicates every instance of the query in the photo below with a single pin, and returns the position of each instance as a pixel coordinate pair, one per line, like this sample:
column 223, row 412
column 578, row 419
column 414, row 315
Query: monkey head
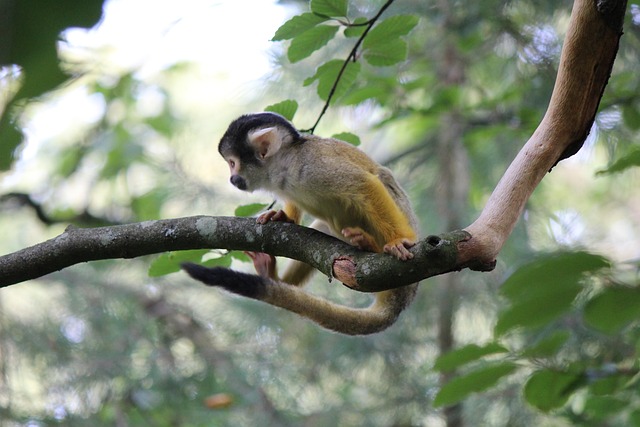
column 249, row 144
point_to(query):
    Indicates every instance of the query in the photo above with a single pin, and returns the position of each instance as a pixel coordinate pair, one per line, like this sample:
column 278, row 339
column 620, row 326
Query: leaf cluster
column 379, row 42
column 545, row 298
column 30, row 34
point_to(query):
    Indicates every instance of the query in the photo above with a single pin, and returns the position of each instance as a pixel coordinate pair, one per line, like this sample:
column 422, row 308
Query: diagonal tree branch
column 586, row 61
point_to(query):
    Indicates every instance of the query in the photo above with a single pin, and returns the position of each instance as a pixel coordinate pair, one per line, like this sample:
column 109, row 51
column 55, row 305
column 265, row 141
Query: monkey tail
column 347, row 320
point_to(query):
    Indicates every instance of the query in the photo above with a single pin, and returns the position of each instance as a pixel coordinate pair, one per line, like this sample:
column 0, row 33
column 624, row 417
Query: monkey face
column 246, row 176
column 236, row 179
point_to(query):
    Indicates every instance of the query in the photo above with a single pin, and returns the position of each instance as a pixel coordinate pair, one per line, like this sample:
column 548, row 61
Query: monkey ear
column 265, row 141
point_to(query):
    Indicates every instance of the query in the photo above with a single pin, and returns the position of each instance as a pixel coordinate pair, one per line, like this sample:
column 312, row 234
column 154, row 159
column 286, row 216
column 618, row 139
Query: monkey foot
column 400, row 249
column 272, row 215
column 264, row 264
column 361, row 239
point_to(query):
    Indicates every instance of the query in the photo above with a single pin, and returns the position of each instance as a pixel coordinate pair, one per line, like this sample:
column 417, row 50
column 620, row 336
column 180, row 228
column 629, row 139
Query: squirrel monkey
column 351, row 196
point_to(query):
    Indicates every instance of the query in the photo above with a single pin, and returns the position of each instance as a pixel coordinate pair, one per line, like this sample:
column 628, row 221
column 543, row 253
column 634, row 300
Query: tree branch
column 363, row 271
column 84, row 218
column 586, row 61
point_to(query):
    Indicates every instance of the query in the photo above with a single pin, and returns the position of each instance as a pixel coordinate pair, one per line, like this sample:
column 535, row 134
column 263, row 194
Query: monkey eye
column 232, row 163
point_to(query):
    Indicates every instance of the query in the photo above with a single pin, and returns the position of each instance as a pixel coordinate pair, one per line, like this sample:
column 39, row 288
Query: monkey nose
column 239, row 182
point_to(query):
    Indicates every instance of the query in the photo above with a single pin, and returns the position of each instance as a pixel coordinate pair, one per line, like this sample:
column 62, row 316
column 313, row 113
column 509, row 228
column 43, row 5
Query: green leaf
column 613, row 309
column 601, row 407
column 309, row 41
column 389, row 30
column 540, row 311
column 286, row 108
column 609, row 383
column 347, row 137
column 560, row 267
column 542, row 290
column 297, row 25
column 240, row 256
column 332, row 8
column 630, row 160
column 469, row 353
column 221, row 261
column 327, row 73
column 356, row 96
column 249, row 210
column 383, row 46
column 354, row 29
column 548, row 347
column 475, row 381
column 169, row 262
column 386, row 54
column 548, row 389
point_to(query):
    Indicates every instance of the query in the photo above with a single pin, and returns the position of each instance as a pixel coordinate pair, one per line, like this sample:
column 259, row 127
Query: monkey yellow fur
column 351, row 196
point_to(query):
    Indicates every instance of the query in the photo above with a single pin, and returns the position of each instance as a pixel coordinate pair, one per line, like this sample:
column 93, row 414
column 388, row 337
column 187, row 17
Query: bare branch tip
column 344, row 269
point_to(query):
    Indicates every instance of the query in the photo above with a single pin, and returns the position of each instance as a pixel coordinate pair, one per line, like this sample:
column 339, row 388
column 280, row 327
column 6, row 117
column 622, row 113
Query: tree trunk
column 452, row 196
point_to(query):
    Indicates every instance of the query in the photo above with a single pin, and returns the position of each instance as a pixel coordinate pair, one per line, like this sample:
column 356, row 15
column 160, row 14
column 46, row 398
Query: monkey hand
column 400, row 248
column 264, row 264
column 279, row 216
column 361, row 239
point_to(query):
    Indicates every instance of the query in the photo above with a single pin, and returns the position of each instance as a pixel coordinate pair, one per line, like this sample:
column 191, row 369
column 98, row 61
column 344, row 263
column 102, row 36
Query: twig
column 84, row 218
column 351, row 57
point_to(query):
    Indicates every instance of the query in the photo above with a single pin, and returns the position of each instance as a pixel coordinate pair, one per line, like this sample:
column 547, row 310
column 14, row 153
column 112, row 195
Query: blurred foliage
column 551, row 299
column 30, row 31
column 550, row 338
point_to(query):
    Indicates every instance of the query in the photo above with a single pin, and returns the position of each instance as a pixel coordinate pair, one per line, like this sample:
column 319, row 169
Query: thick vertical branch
column 452, row 200
column 587, row 57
